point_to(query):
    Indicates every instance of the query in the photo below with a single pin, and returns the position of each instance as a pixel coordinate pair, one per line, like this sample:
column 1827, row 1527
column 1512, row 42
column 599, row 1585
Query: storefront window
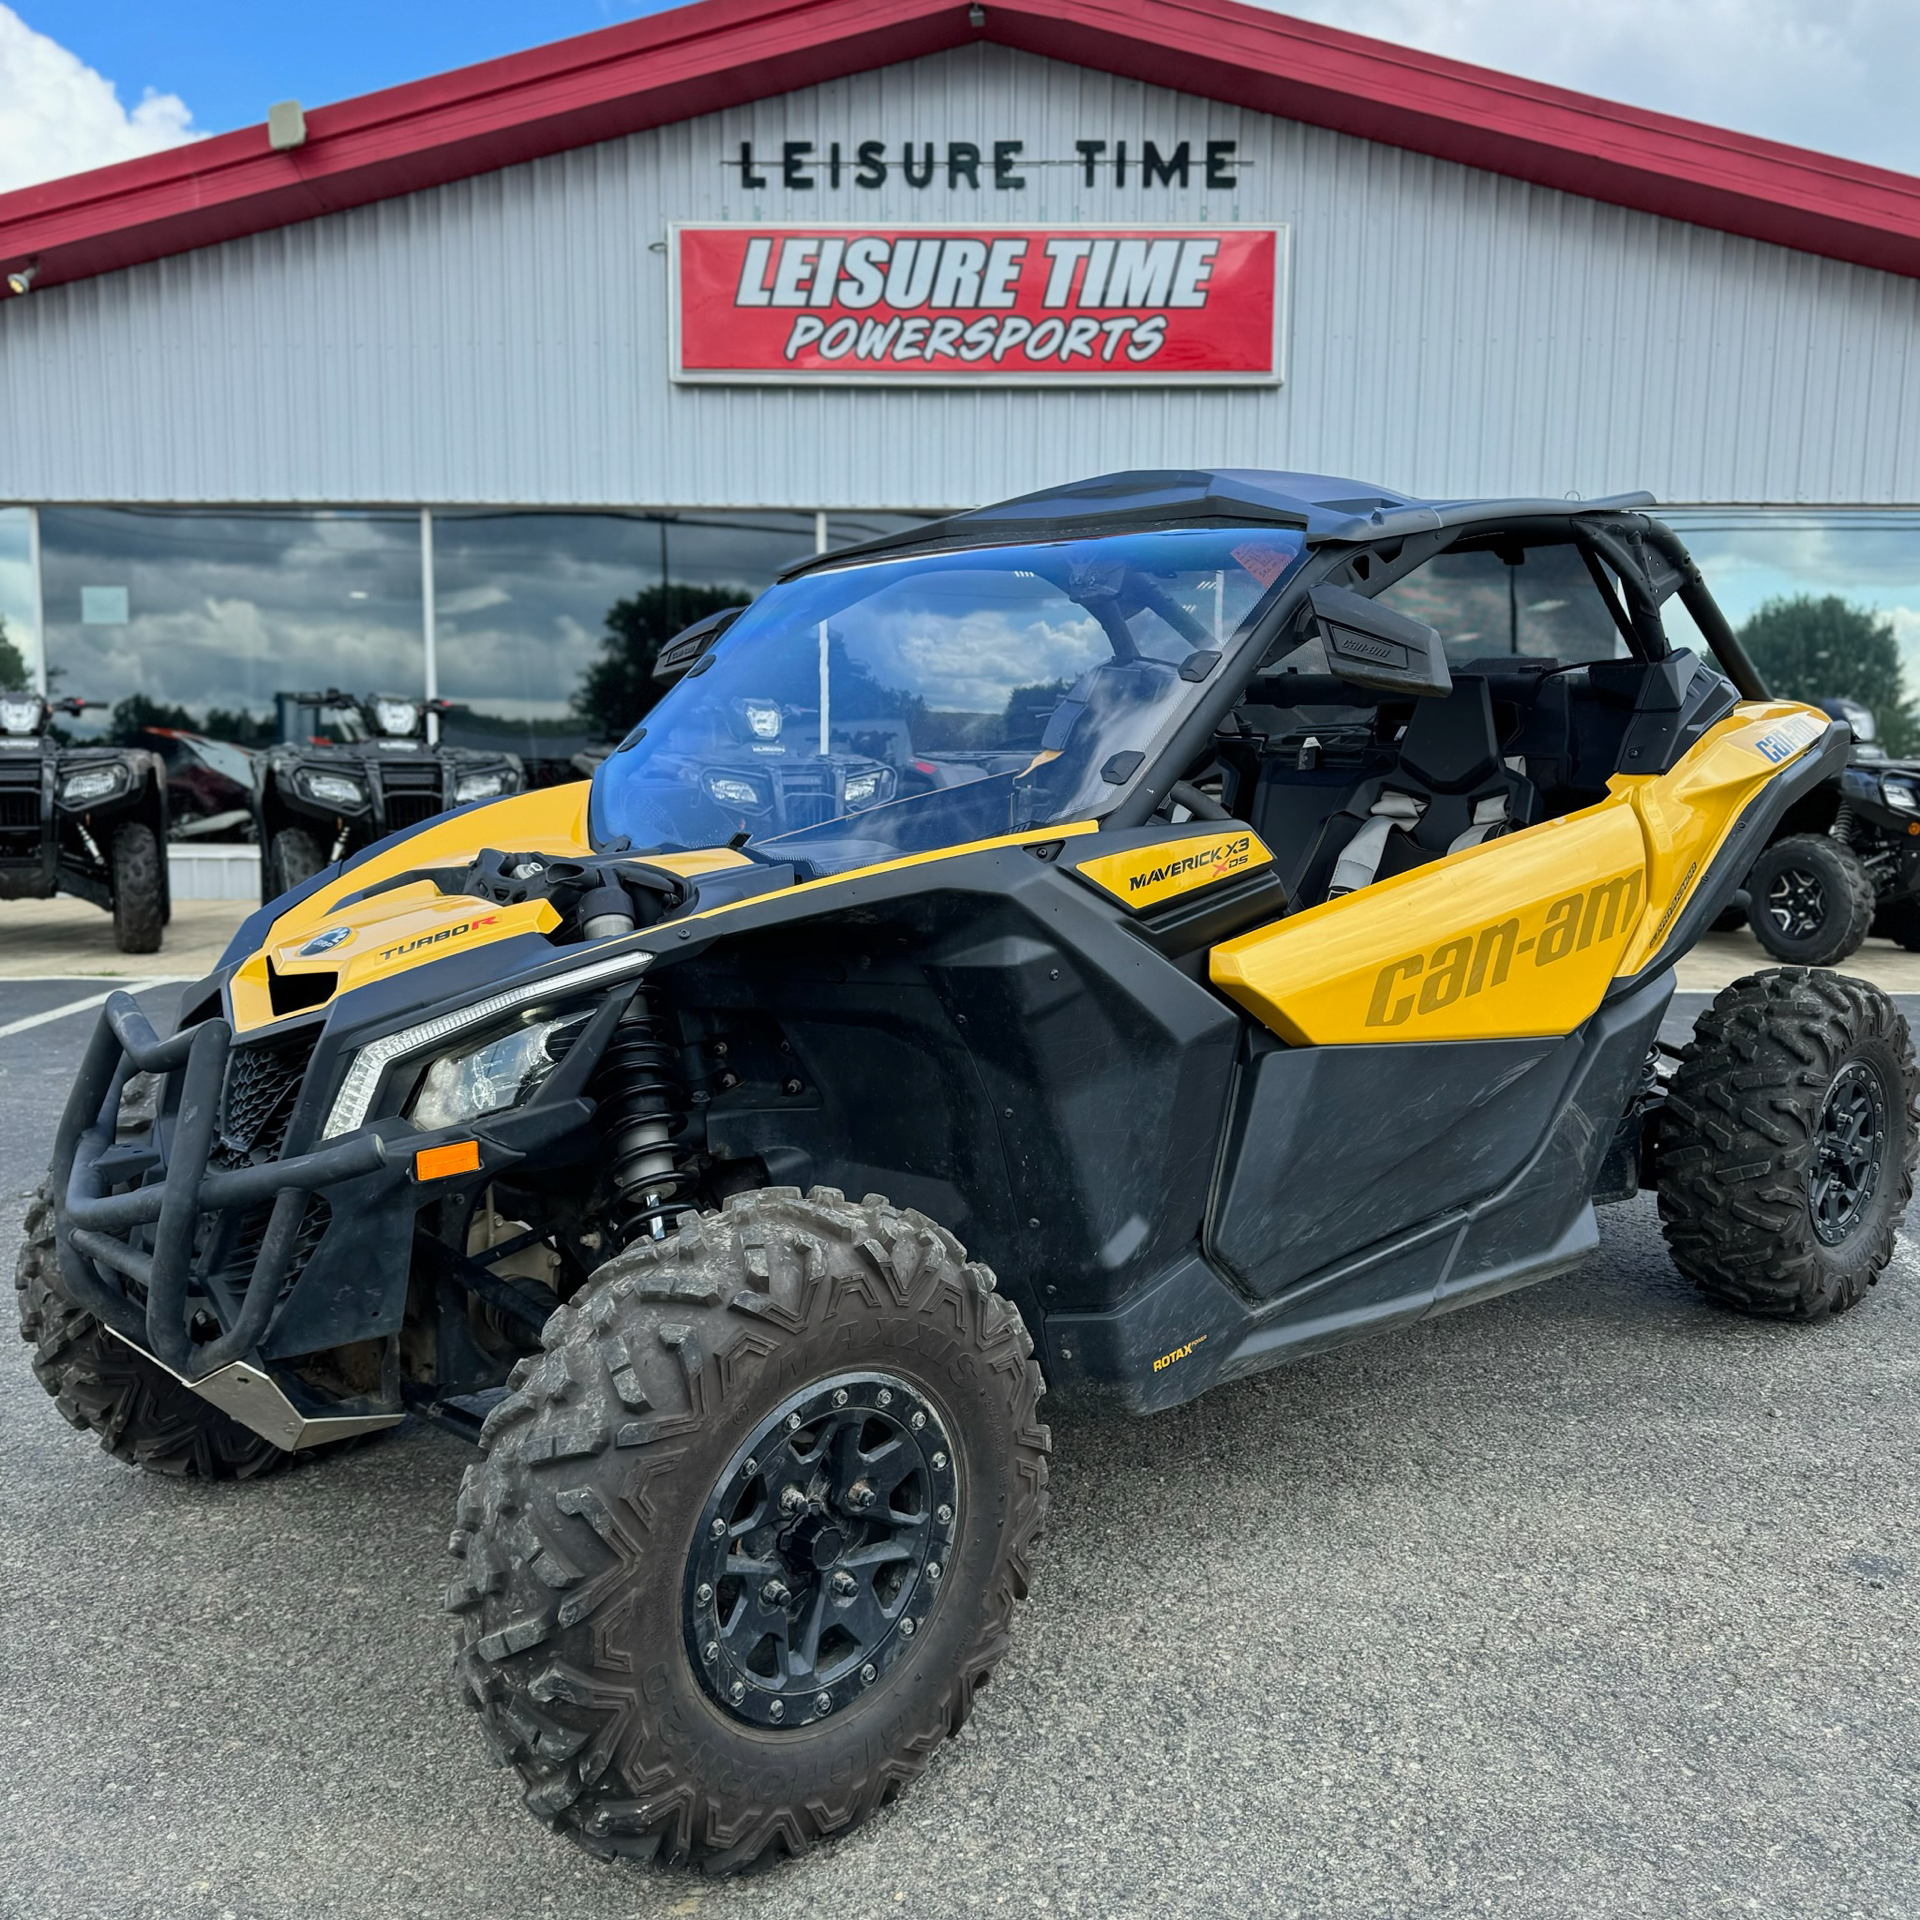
column 19, row 644
column 212, row 622
column 546, row 623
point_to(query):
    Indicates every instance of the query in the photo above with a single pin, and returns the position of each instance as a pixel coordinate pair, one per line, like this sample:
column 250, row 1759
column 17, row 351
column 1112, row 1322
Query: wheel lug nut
column 944, row 1514
column 839, row 1396
column 918, row 1421
column 823, row 1703
column 749, row 1466
column 703, row 1593
column 885, row 1396
column 719, row 1526
column 793, row 1423
column 711, row 1650
column 791, row 1500
column 906, row 1627
column 933, row 1570
column 866, row 1673
column 939, row 1461
column 778, row 1711
column 775, row 1594
column 845, row 1586
column 860, row 1496
column 737, row 1692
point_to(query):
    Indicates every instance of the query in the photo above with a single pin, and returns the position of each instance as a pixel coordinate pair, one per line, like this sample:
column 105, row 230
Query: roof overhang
column 725, row 53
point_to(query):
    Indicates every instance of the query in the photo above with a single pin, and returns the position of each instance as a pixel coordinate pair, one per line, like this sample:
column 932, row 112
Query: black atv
column 360, row 769
column 1846, row 860
column 90, row 821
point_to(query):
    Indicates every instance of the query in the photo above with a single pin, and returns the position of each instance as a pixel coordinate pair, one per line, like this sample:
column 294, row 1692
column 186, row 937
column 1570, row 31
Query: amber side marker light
column 439, row 1163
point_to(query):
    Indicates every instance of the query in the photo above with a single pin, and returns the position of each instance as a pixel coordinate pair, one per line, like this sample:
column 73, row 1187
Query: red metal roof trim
column 720, row 53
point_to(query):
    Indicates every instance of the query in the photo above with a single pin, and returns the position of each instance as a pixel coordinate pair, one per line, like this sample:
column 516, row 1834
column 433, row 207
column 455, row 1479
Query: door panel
column 1515, row 938
column 1336, row 1148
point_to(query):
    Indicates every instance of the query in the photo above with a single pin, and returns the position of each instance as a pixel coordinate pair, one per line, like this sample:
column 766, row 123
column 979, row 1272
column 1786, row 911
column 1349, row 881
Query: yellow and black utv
column 1114, row 940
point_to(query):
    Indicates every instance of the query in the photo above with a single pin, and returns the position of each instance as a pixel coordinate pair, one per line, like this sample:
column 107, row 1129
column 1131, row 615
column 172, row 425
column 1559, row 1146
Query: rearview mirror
column 1370, row 645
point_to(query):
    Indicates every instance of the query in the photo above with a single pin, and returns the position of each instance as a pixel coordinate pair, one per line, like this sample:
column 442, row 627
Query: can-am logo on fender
column 444, row 933
column 1784, row 741
column 1481, row 961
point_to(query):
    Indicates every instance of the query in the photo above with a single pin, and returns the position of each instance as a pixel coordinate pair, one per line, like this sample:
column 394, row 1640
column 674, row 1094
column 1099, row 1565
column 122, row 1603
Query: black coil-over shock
column 642, row 1113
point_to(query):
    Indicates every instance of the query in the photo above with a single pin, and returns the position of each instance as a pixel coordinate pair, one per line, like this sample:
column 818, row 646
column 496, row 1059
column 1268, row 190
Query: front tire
column 689, row 1636
column 139, row 902
column 294, row 856
column 1810, row 900
column 101, row 1385
column 1786, row 1147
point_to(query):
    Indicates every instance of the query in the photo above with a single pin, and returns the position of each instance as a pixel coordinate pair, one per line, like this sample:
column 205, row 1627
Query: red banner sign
column 967, row 306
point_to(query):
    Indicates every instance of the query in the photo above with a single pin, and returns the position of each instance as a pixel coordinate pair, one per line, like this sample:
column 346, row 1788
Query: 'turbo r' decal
column 1483, row 960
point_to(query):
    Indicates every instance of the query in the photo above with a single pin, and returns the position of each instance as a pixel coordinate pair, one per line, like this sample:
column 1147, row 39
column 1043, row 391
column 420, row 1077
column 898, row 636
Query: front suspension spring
column 1842, row 828
column 642, row 1113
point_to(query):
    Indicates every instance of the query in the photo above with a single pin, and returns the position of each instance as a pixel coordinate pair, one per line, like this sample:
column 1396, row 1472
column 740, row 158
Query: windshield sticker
column 1266, row 564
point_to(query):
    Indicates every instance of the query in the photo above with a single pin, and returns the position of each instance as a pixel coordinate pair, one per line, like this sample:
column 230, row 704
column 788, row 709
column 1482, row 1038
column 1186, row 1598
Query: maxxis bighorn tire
column 1836, row 887
column 575, row 1531
column 294, row 857
column 141, row 1413
column 139, row 899
column 1740, row 1147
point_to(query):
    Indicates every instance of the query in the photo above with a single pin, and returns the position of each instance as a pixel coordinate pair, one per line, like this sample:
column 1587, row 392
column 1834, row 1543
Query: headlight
column 20, row 716
column 396, row 717
column 94, row 783
column 355, row 1098
column 478, row 786
column 733, row 791
column 493, row 1076
column 331, row 789
column 1899, row 794
column 865, row 788
column 763, row 721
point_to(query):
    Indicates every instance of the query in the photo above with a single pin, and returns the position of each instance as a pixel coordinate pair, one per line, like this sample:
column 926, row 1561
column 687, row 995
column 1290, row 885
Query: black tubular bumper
column 94, row 1227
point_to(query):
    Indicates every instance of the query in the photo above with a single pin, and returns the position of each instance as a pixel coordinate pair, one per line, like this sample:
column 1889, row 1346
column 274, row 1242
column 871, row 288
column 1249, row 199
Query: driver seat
column 1448, row 790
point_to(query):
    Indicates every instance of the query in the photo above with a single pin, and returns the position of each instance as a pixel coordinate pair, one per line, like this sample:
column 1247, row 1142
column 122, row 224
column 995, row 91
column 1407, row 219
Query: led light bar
column 352, row 1103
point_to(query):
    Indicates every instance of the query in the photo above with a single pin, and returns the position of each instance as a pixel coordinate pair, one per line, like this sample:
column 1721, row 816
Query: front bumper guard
column 91, row 1224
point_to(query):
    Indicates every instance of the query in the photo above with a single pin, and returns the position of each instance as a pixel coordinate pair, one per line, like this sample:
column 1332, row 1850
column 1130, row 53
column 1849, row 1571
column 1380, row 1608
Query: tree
column 1825, row 648
column 14, row 677
column 619, row 687
column 133, row 715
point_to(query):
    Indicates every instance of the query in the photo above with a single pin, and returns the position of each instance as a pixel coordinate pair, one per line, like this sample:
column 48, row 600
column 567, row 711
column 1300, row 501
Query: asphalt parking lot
column 1591, row 1601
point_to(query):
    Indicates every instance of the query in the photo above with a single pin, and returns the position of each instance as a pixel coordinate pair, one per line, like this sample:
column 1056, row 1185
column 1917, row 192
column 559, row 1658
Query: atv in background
column 1845, row 859
column 90, row 821
column 355, row 770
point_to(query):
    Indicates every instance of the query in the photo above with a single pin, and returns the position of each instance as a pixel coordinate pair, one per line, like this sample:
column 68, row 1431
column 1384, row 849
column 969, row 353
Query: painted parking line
column 91, row 1001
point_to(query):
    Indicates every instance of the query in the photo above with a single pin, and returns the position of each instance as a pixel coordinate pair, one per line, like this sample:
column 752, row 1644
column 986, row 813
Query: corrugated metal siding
column 504, row 339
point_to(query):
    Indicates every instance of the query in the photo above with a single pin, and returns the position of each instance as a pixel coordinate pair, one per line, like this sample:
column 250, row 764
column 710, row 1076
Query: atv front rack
column 94, row 1225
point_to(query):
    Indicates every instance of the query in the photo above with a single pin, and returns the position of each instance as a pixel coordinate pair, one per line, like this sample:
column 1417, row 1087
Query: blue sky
column 230, row 60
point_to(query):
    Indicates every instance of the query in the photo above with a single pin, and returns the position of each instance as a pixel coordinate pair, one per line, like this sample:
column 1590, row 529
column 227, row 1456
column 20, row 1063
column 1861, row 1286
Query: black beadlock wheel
column 1810, row 901
column 139, row 910
column 1786, row 1148
column 101, row 1385
column 747, row 1536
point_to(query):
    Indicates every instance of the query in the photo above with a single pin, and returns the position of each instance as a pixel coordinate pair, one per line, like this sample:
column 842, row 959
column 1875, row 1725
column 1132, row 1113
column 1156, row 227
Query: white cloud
column 1835, row 75
column 57, row 116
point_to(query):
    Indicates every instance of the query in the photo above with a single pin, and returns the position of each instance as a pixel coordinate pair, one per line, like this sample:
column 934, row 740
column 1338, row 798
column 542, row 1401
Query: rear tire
column 1786, row 1147
column 293, row 858
column 1810, row 900
column 1899, row 921
column 142, row 1414
column 648, row 1457
column 139, row 898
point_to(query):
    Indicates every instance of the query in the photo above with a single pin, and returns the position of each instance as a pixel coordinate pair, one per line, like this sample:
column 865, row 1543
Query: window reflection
column 546, row 623
column 209, row 622
column 18, row 642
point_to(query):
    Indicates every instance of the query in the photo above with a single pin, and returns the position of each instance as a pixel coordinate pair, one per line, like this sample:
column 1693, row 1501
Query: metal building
column 454, row 385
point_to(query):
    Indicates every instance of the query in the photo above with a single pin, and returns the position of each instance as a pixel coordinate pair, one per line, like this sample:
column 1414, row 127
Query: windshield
column 906, row 705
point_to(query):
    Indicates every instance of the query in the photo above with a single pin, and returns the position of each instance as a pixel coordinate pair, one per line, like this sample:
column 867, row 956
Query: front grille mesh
column 410, row 809
column 256, row 1105
column 19, row 809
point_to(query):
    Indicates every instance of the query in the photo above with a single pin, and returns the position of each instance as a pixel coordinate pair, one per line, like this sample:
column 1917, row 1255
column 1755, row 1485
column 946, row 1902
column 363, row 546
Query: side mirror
column 677, row 655
column 1370, row 645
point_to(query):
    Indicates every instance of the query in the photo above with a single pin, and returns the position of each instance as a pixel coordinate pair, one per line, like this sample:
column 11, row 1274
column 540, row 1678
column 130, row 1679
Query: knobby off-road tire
column 580, row 1532
column 142, row 1414
column 138, row 905
column 1822, row 892
column 294, row 857
column 1756, row 1130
